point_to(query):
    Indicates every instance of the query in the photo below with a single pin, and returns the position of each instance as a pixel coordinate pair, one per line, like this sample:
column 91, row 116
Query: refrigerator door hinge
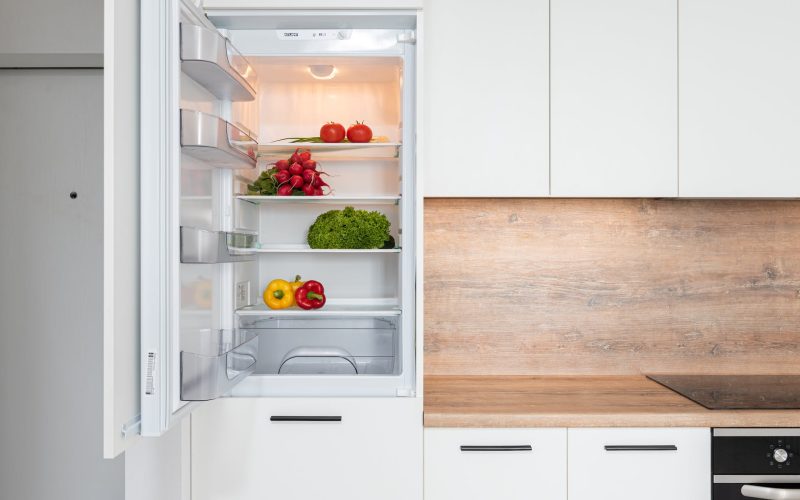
column 409, row 37
column 132, row 427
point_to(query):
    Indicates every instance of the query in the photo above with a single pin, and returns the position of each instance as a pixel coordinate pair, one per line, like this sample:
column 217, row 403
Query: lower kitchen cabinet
column 636, row 464
column 496, row 464
column 307, row 448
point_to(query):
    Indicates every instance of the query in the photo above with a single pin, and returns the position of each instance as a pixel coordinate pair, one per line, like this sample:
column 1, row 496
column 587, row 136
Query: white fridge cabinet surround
column 307, row 448
column 635, row 463
column 212, row 119
column 507, row 464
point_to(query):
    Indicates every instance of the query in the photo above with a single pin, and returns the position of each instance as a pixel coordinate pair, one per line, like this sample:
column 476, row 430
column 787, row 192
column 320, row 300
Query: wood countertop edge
column 720, row 418
column 519, row 402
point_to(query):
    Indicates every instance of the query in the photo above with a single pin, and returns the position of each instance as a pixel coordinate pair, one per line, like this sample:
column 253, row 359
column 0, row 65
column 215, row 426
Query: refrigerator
column 220, row 93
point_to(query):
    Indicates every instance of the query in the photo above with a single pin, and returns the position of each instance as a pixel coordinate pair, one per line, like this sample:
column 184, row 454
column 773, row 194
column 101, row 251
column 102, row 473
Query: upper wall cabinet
column 614, row 98
column 486, row 98
column 739, row 98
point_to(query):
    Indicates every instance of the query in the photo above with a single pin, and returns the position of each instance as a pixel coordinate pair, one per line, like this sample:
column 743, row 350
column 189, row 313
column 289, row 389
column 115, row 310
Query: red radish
column 285, row 190
column 318, row 191
column 309, row 175
column 282, row 176
column 296, row 181
column 305, row 156
column 296, row 169
column 295, row 158
column 308, row 189
column 318, row 182
column 282, row 164
column 310, row 164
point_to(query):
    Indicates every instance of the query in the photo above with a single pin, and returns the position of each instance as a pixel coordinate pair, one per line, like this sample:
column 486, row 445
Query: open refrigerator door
column 218, row 102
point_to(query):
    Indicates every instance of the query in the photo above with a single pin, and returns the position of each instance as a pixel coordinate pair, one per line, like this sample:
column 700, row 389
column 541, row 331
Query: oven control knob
column 780, row 455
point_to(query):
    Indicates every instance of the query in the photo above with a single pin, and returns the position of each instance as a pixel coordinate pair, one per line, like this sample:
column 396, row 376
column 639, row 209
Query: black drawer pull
column 520, row 447
column 290, row 418
column 641, row 447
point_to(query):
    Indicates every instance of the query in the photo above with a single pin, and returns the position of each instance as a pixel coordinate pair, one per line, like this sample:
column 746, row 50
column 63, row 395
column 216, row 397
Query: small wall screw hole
column 73, row 195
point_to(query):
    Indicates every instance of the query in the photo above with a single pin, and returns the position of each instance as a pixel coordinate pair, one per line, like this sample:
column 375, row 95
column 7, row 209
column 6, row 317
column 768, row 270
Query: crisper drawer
column 497, row 464
column 307, row 449
column 326, row 346
column 638, row 463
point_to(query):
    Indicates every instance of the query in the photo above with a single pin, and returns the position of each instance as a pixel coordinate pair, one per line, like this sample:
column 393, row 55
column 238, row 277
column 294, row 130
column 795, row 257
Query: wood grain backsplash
column 575, row 286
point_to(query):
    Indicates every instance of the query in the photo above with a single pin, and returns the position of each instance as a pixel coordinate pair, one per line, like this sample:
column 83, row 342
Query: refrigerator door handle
column 315, row 418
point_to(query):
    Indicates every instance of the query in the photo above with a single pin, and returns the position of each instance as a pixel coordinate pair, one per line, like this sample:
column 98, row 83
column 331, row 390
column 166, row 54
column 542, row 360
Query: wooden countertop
column 577, row 401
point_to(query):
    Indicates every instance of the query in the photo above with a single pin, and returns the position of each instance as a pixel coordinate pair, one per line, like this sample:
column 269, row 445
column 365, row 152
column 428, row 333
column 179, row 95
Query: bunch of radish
column 297, row 176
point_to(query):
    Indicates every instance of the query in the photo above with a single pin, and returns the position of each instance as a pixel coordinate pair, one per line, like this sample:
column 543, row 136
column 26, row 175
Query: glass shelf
column 304, row 248
column 331, row 151
column 322, row 200
column 333, row 308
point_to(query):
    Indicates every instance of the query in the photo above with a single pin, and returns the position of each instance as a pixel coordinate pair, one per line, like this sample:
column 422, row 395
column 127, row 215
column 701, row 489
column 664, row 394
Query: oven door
column 767, row 487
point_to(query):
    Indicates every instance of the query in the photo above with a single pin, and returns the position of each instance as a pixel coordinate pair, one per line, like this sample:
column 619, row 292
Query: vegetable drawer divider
column 210, row 59
column 216, row 361
column 216, row 142
column 200, row 246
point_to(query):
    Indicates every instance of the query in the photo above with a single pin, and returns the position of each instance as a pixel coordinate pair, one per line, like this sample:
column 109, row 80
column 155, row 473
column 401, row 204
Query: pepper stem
column 314, row 296
column 297, row 277
column 278, row 294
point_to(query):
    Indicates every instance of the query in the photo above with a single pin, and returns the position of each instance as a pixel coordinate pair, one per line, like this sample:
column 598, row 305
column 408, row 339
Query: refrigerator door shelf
column 201, row 246
column 210, row 60
column 216, row 361
column 215, row 142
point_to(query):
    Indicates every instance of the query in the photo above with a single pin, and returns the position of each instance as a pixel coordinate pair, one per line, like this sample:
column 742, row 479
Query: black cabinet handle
column 520, row 447
column 291, row 418
column 641, row 447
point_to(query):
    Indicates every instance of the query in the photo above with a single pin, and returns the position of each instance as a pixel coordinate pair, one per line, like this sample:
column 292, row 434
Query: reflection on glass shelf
column 332, row 150
column 341, row 307
column 303, row 248
column 325, row 200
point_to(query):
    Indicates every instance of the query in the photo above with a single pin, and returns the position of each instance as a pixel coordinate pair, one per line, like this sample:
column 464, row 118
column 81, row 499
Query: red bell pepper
column 310, row 296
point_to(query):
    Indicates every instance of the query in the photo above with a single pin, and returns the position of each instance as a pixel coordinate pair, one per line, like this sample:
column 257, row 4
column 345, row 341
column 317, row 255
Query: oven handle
column 763, row 492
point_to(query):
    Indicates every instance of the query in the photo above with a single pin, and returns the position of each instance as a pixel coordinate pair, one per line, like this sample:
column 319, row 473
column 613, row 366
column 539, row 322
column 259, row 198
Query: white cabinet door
column 297, row 449
column 485, row 91
column 739, row 98
column 497, row 464
column 614, row 98
column 634, row 464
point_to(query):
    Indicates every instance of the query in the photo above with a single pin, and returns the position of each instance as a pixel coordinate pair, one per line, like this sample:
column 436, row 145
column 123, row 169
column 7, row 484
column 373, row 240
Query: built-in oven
column 755, row 463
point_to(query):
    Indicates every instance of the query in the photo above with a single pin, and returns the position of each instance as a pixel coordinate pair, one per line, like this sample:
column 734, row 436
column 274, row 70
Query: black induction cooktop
column 736, row 392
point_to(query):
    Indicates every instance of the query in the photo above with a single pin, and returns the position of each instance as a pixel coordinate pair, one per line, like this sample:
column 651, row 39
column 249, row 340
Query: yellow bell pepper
column 296, row 283
column 279, row 294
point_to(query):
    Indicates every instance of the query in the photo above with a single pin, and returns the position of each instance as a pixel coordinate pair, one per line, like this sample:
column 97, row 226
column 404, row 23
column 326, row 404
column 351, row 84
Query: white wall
column 51, row 33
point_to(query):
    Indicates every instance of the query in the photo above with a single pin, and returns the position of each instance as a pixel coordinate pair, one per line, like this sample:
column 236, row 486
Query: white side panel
column 614, row 98
column 598, row 474
column 120, row 225
column 486, row 85
column 158, row 468
column 537, row 474
column 374, row 452
column 739, row 98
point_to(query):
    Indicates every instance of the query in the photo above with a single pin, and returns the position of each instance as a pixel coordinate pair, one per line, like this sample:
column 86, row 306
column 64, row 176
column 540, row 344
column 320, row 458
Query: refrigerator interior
column 362, row 341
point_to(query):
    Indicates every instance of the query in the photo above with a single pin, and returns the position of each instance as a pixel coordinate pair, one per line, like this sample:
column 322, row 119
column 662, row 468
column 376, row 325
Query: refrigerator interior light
column 322, row 71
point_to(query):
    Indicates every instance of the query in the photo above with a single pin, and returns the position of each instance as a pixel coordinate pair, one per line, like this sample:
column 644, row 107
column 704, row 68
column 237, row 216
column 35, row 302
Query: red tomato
column 359, row 133
column 332, row 132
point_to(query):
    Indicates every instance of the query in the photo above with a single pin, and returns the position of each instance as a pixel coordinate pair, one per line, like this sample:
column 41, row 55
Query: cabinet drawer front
column 657, row 464
column 304, row 448
column 501, row 464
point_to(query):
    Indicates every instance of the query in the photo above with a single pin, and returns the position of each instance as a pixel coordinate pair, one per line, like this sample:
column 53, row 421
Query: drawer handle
column 520, row 447
column 319, row 418
column 641, row 447
column 752, row 491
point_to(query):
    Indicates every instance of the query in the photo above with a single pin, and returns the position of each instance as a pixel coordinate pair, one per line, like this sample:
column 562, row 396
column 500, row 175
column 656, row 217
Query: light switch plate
column 242, row 294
